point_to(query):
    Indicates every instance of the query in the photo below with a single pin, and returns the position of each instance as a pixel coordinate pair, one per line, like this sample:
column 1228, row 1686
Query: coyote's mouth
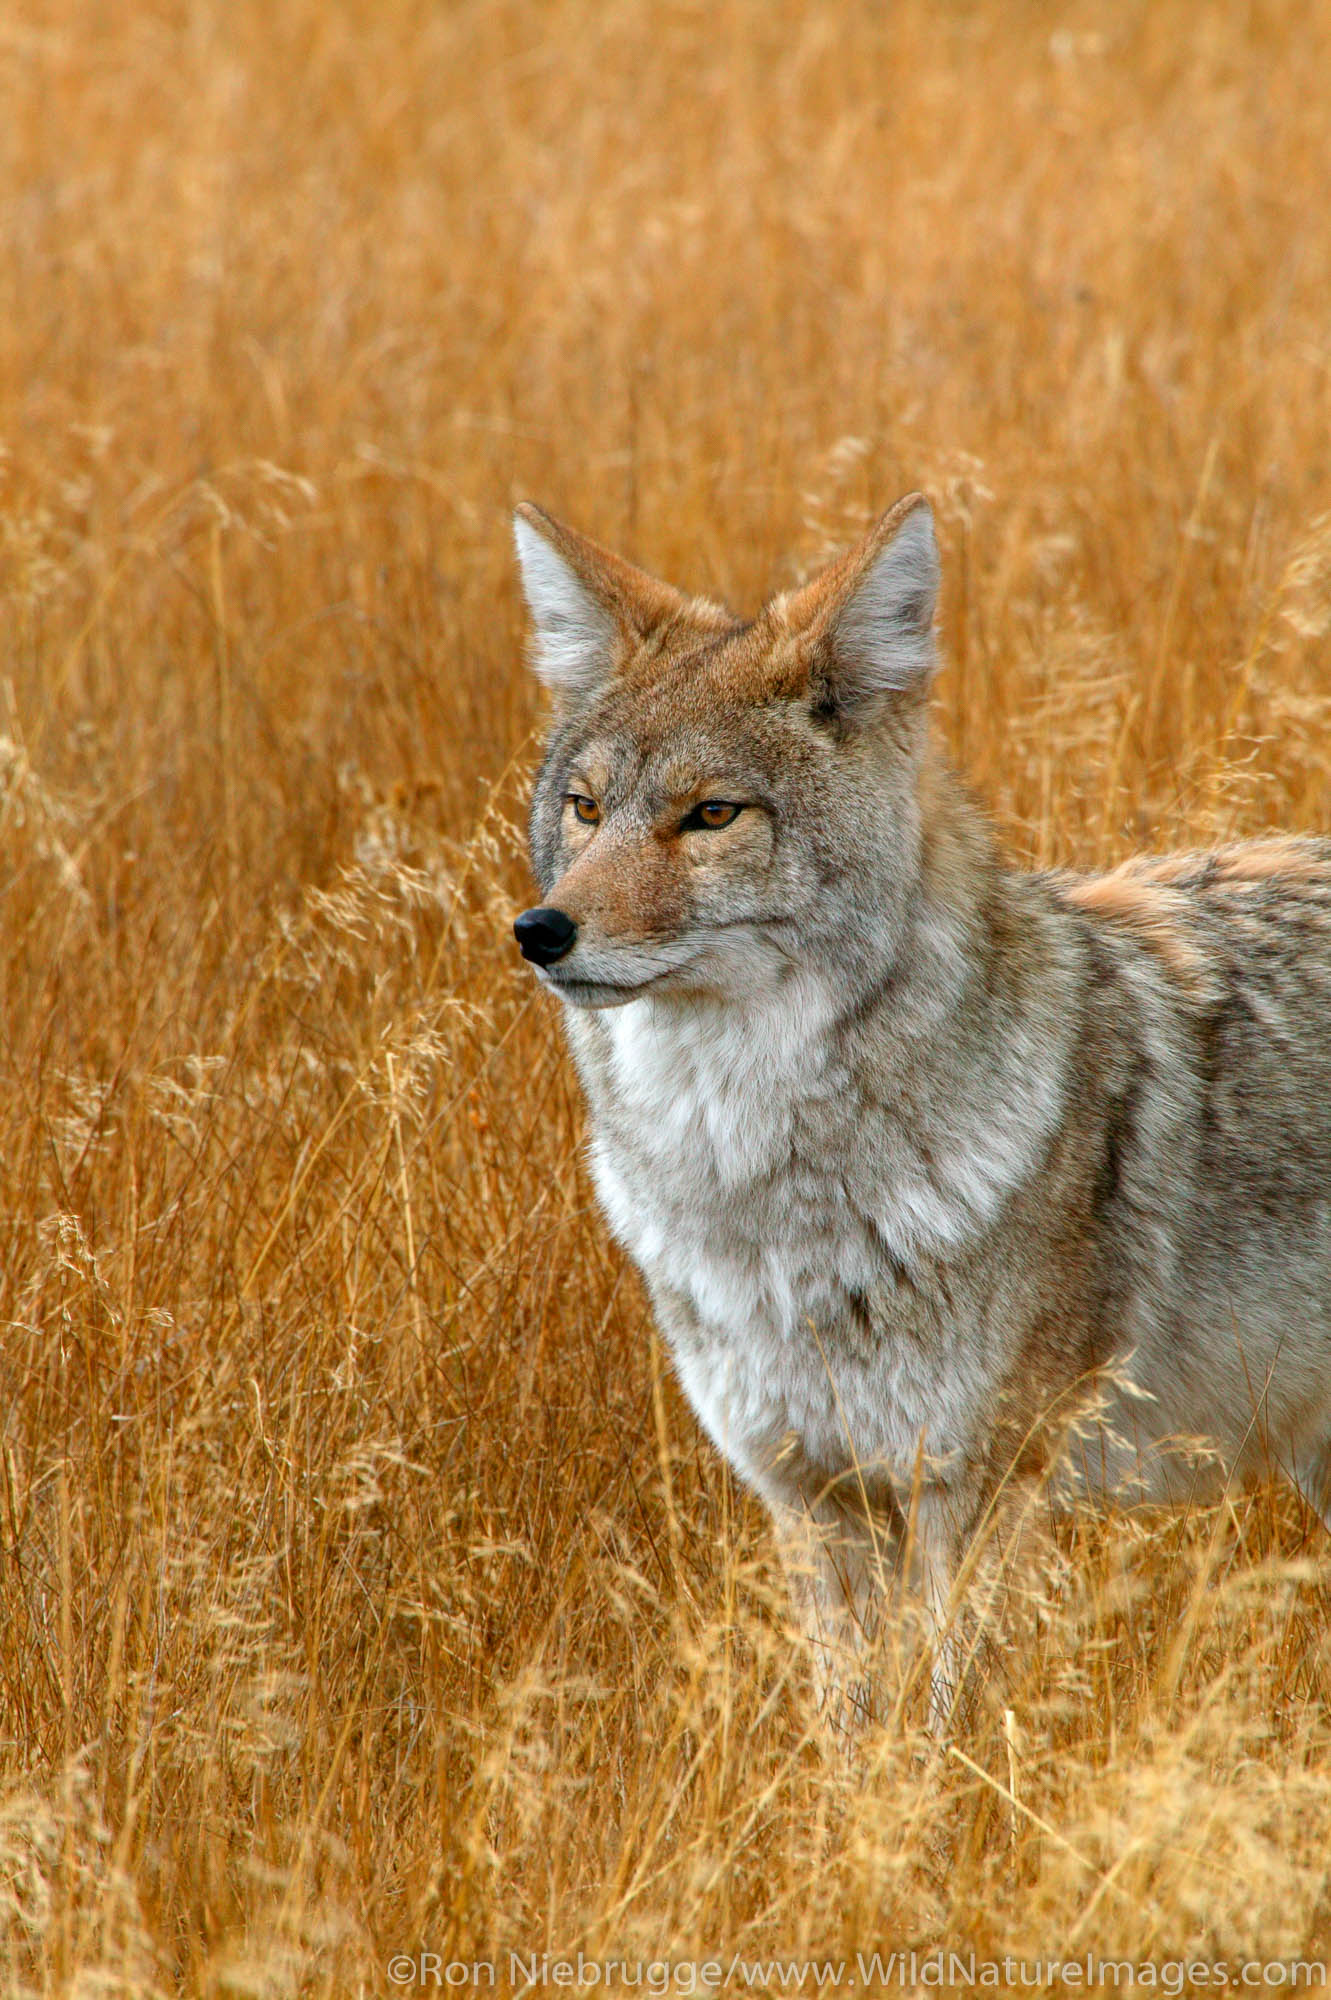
column 583, row 992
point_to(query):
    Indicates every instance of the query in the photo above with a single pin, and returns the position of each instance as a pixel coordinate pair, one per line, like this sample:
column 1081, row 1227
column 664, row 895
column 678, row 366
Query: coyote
column 916, row 1149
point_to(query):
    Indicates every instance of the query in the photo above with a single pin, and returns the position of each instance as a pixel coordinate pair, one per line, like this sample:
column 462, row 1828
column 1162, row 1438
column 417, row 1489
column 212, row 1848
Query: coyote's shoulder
column 914, row 1147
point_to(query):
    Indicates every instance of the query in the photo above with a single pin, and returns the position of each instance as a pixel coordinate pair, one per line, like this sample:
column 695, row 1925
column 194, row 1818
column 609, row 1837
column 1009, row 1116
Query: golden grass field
column 365, row 1584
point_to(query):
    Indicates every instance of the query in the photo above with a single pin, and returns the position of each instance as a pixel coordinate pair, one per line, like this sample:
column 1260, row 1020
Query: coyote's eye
column 586, row 809
column 712, row 812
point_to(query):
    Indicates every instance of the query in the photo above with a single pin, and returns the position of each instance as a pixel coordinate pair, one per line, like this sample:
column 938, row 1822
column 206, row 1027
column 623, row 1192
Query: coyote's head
column 724, row 800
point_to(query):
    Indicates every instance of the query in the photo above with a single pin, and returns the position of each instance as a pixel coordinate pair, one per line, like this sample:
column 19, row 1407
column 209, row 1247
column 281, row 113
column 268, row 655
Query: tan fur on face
column 635, row 883
column 626, row 887
column 740, row 662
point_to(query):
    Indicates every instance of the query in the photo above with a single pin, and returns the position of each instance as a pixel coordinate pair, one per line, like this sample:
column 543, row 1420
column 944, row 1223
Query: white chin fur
column 596, row 999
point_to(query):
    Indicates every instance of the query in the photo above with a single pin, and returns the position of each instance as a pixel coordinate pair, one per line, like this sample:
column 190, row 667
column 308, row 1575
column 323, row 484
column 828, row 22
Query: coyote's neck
column 972, row 1029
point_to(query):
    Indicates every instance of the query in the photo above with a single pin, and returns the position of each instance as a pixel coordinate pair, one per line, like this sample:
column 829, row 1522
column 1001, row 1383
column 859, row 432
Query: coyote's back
column 918, row 1152
column 1228, row 957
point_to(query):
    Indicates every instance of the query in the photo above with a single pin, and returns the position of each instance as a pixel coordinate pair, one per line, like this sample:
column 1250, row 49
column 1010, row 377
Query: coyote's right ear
column 584, row 602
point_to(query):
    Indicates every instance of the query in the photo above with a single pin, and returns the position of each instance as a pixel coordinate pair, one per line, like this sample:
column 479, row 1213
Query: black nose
column 544, row 935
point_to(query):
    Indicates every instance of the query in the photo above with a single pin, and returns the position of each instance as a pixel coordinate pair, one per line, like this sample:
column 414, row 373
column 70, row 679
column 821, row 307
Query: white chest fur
column 720, row 1153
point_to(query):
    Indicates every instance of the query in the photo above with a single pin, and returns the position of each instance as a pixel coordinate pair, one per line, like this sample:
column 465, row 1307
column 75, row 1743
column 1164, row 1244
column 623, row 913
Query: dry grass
column 364, row 1584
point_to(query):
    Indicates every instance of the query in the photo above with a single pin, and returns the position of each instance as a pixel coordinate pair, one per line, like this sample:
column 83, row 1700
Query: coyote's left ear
column 584, row 602
column 867, row 621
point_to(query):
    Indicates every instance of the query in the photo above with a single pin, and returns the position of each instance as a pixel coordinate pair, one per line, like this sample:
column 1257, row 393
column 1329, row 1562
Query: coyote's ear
column 868, row 619
column 582, row 600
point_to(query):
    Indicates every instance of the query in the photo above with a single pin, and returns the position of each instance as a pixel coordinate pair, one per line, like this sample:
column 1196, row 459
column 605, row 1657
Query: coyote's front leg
column 838, row 1578
column 846, row 1561
column 935, row 1543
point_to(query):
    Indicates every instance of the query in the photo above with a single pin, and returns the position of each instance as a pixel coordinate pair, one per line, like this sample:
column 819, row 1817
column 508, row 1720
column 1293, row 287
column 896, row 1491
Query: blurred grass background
column 364, row 1583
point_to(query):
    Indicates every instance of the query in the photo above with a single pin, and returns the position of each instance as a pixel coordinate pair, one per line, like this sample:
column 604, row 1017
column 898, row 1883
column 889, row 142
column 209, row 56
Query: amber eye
column 586, row 809
column 713, row 812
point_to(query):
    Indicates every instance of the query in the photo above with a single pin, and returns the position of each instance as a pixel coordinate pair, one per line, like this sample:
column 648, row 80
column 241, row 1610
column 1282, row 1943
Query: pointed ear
column 583, row 600
column 868, row 619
